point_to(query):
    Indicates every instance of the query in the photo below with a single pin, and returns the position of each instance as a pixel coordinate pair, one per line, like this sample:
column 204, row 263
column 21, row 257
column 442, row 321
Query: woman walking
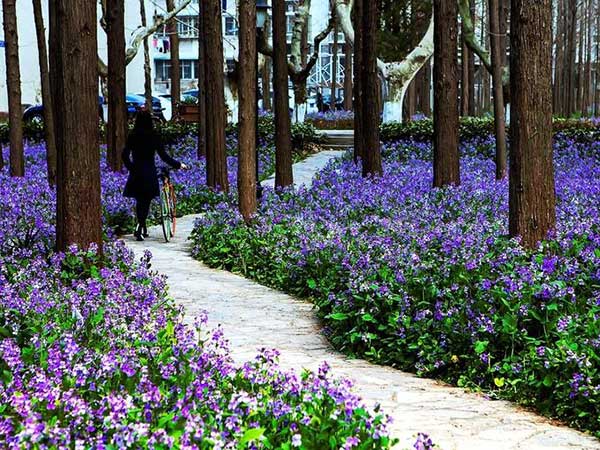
column 138, row 156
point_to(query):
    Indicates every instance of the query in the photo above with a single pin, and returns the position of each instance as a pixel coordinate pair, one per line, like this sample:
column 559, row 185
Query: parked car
column 192, row 93
column 135, row 103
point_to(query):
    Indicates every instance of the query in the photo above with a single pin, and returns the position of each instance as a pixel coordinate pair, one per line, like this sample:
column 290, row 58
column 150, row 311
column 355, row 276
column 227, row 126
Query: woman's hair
column 143, row 124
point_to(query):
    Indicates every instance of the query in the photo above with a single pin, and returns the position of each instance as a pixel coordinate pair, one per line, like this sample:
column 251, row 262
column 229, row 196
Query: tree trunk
column 425, row 90
column 334, row 69
column 559, row 60
column 175, row 66
column 13, row 84
column 202, row 119
column 347, row 76
column 46, row 97
column 117, row 108
column 446, row 165
column 487, row 99
column 74, row 69
column 464, row 82
column 147, row 66
column 247, row 109
column 359, row 145
column 497, row 70
column 371, row 88
column 216, row 156
column 283, row 135
column 471, row 71
column 571, row 52
column 532, row 211
column 266, row 84
column 580, row 62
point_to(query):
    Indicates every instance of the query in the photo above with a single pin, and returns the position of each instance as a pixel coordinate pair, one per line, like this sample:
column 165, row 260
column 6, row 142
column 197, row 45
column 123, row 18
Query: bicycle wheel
column 165, row 214
column 173, row 209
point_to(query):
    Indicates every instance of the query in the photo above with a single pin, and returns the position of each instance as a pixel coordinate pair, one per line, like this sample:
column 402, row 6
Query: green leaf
column 368, row 318
column 252, row 434
column 499, row 382
column 312, row 284
column 548, row 380
column 337, row 316
column 480, row 346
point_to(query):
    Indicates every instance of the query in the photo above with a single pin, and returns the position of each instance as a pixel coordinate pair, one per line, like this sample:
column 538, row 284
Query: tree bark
column 425, row 90
column 266, row 84
column 371, row 88
column 13, row 84
column 471, row 70
column 532, row 210
column 464, row 82
column 359, row 144
column 147, row 66
column 175, row 66
column 500, row 128
column 202, row 119
column 446, row 165
column 46, row 97
column 216, row 156
column 117, row 108
column 283, row 135
column 559, row 60
column 334, row 69
column 247, row 109
column 348, row 76
column 74, row 84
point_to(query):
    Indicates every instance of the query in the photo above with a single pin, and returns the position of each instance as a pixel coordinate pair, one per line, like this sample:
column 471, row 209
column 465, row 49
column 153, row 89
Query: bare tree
column 532, row 201
column 13, row 82
column 46, row 97
column 247, row 110
column 446, row 165
column 74, row 84
column 216, row 156
column 500, row 126
column 147, row 66
column 117, row 108
column 283, row 138
column 371, row 164
column 175, row 64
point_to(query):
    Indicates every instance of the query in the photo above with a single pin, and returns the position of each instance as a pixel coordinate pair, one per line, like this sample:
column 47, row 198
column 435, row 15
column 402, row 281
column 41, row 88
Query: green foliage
column 422, row 130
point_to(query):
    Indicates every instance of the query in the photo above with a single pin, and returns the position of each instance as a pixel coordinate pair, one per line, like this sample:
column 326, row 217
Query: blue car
column 135, row 103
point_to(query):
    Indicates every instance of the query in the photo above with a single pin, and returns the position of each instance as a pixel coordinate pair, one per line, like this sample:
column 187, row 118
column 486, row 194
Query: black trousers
column 142, row 208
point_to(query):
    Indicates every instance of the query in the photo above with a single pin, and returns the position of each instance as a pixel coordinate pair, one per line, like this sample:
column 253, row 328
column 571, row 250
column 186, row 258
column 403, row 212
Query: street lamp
column 262, row 13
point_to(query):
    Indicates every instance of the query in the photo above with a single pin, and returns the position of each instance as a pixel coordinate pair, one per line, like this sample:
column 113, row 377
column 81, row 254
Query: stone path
column 254, row 316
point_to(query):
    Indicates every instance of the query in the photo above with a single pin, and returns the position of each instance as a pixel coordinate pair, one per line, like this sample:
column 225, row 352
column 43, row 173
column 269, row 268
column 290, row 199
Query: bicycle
column 168, row 205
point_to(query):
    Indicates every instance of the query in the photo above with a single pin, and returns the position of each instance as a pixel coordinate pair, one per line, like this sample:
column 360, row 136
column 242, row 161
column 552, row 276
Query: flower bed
column 425, row 279
column 332, row 120
column 94, row 354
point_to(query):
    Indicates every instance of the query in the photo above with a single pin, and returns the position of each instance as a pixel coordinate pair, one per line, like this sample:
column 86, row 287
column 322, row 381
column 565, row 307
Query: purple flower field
column 94, row 354
column 427, row 280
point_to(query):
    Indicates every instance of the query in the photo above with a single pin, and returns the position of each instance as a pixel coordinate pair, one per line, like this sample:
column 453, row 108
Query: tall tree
column 147, row 66
column 283, row 135
column 117, row 108
column 532, row 210
column 497, row 70
column 334, row 69
column 201, row 149
column 347, row 76
column 216, row 156
column 372, row 90
column 247, row 109
column 172, row 30
column 464, row 81
column 13, row 82
column 74, row 84
column 446, row 165
column 46, row 97
column 359, row 125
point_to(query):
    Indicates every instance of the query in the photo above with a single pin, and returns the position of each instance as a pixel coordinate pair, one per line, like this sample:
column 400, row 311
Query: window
column 188, row 68
column 163, row 69
column 230, row 26
column 187, row 26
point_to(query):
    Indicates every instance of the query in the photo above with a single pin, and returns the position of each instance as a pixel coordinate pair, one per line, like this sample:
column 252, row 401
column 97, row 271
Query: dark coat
column 138, row 157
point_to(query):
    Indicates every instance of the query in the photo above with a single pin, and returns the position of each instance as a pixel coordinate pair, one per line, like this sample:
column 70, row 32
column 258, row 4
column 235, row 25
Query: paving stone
column 254, row 316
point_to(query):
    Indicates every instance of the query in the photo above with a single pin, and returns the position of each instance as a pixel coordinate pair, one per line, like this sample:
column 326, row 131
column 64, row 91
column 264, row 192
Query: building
column 187, row 23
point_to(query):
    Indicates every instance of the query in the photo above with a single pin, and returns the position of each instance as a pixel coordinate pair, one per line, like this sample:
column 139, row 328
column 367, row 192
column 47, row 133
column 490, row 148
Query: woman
column 138, row 156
